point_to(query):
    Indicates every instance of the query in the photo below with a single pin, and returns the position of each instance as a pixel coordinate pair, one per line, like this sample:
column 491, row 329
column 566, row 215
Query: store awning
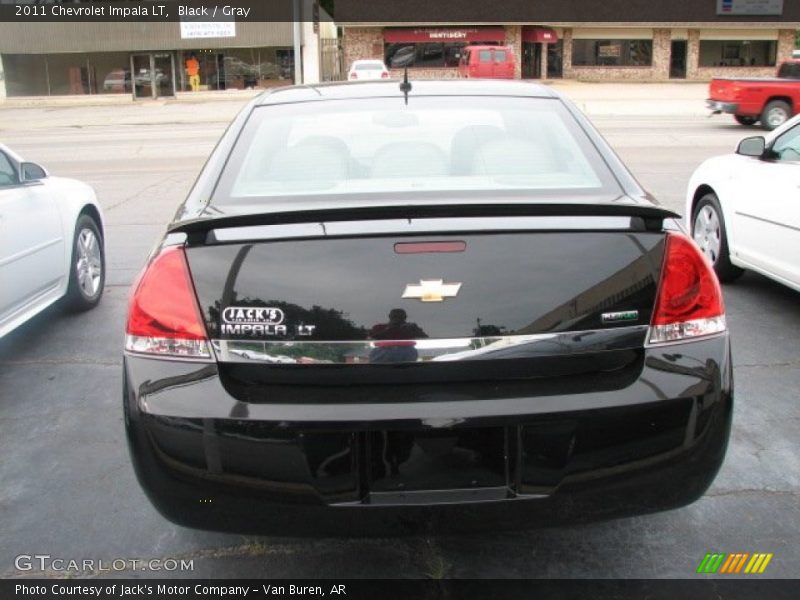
column 539, row 35
column 399, row 35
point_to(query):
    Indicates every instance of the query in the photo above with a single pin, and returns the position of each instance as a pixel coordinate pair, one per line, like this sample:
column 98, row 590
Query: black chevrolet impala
column 384, row 309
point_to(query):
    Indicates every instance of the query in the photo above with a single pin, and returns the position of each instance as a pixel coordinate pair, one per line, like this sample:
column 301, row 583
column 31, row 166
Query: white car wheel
column 709, row 233
column 87, row 268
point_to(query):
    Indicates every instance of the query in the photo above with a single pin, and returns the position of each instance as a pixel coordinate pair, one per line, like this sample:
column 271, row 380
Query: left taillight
column 385, row 75
column 163, row 316
column 689, row 301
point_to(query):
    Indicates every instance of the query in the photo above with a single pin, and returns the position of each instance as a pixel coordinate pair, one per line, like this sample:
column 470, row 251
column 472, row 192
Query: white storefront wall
column 2, row 80
column 612, row 33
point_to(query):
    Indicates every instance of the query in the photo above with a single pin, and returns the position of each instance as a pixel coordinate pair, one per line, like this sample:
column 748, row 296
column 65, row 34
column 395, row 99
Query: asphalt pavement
column 66, row 485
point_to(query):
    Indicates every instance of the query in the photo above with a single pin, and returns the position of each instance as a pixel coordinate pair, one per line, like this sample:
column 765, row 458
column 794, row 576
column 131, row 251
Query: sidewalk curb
column 125, row 100
column 596, row 100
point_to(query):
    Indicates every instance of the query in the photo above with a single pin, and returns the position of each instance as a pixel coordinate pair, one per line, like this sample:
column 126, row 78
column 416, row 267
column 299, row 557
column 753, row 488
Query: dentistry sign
column 750, row 7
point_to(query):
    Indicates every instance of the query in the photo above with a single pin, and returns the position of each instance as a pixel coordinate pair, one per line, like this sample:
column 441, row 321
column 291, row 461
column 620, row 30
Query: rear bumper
column 717, row 106
column 209, row 461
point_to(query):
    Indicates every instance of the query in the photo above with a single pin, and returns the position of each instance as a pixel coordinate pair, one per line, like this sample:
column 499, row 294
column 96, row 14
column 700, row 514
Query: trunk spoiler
column 652, row 217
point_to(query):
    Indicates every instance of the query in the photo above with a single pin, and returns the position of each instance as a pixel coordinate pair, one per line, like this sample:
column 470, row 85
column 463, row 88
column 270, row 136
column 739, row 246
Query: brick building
column 634, row 40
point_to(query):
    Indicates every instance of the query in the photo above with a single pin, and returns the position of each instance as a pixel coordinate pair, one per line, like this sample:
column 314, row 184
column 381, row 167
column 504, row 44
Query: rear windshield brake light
column 426, row 247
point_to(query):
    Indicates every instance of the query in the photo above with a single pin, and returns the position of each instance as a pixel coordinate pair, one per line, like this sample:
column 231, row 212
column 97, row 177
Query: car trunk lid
column 447, row 300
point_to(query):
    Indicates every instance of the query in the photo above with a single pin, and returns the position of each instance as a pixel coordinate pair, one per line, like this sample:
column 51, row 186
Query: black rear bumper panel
column 209, row 461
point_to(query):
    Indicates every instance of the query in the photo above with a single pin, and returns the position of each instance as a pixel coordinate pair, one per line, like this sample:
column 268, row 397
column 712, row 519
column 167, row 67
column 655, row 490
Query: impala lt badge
column 431, row 290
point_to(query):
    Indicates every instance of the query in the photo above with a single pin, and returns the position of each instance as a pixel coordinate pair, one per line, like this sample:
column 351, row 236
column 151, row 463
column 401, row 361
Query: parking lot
column 66, row 485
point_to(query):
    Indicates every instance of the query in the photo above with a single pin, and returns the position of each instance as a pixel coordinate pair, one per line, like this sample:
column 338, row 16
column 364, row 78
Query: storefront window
column 25, row 74
column 65, row 74
column 738, row 53
column 100, row 73
column 423, row 54
column 434, row 47
column 110, row 72
column 612, row 53
column 236, row 68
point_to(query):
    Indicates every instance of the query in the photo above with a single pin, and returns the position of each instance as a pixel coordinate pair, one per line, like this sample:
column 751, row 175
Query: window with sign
column 738, row 53
column 612, row 53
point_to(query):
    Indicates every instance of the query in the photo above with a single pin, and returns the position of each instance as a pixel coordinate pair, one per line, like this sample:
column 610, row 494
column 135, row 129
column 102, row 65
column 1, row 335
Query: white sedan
column 743, row 209
column 362, row 70
column 51, row 242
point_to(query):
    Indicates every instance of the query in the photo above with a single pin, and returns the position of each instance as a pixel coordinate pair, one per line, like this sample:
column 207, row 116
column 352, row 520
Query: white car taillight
column 163, row 316
column 689, row 300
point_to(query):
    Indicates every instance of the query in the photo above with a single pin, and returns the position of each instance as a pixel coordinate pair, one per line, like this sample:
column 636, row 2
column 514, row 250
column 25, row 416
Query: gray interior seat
column 354, row 168
column 408, row 160
column 311, row 160
column 513, row 156
column 466, row 142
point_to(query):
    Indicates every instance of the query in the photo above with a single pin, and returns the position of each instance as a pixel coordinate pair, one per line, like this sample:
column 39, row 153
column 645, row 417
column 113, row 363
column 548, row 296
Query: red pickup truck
column 771, row 100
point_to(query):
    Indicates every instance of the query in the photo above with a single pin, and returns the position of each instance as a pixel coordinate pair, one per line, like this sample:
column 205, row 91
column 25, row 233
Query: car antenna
column 405, row 86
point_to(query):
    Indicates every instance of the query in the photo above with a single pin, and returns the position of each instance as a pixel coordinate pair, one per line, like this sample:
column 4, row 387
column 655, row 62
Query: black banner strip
column 733, row 588
column 352, row 12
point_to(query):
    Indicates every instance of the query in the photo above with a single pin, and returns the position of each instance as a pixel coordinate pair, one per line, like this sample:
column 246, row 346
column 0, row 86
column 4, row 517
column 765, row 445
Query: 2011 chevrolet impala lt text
column 385, row 308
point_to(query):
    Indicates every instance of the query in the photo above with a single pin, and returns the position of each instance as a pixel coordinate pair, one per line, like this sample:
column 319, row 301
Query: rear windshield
column 789, row 71
column 380, row 145
column 369, row 66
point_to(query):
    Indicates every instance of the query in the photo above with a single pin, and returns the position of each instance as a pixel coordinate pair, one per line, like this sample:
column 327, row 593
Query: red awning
column 444, row 34
column 539, row 35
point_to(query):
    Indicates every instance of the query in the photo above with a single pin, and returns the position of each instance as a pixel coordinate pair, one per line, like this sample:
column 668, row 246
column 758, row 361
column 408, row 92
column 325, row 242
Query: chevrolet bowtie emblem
column 431, row 290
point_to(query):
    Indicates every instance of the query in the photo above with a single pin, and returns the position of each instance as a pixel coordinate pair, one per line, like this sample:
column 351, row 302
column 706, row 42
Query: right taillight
column 689, row 301
column 163, row 316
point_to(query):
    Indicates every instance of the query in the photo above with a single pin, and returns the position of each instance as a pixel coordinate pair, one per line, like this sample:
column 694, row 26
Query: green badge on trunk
column 621, row 316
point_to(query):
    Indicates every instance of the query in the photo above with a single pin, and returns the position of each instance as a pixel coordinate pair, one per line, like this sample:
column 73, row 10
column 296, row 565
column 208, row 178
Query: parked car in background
column 772, row 101
column 237, row 73
column 743, row 209
column 404, row 56
column 51, row 242
column 537, row 342
column 487, row 62
column 367, row 69
column 117, row 81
